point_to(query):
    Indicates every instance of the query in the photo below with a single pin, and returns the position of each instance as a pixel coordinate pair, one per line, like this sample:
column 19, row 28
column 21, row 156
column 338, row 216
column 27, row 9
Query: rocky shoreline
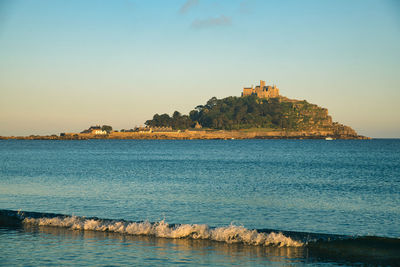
column 196, row 135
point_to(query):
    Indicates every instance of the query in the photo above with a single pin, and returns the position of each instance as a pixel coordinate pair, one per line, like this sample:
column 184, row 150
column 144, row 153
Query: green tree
column 245, row 112
column 106, row 128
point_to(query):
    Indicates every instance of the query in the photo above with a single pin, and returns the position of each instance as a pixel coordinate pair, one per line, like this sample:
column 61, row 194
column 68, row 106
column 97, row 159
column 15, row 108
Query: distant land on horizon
column 260, row 112
column 258, row 108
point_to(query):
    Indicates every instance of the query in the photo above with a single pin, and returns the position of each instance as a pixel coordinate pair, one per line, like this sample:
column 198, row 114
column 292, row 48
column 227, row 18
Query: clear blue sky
column 66, row 65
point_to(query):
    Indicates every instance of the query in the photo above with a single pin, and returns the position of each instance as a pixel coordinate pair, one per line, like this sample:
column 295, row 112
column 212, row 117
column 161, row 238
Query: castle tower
column 262, row 91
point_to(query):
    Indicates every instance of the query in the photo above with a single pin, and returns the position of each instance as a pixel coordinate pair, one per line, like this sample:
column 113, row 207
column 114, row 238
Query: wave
column 229, row 234
column 369, row 250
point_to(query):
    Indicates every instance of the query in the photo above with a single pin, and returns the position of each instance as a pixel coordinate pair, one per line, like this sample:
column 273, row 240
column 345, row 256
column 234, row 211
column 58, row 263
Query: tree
column 194, row 115
column 176, row 115
column 212, row 102
column 244, row 112
column 106, row 128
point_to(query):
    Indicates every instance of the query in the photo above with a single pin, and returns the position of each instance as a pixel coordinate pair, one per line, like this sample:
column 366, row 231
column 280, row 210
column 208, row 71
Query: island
column 259, row 113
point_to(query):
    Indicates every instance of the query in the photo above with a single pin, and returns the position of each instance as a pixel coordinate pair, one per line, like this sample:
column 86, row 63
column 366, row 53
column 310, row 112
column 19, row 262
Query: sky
column 68, row 64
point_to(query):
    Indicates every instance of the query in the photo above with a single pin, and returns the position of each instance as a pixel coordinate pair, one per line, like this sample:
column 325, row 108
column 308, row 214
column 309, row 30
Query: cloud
column 188, row 5
column 246, row 6
column 212, row 22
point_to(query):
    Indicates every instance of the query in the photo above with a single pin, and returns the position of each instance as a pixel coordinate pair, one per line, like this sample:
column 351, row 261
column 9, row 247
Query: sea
column 200, row 202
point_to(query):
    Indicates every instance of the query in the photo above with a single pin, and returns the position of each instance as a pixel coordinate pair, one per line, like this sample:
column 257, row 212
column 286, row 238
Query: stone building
column 262, row 91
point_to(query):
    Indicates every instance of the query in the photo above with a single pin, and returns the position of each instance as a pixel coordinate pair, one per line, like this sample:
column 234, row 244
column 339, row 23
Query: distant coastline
column 193, row 135
column 260, row 113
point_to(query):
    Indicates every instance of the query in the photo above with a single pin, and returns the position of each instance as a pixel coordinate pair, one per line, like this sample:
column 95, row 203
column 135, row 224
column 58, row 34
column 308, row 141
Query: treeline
column 234, row 113
column 177, row 121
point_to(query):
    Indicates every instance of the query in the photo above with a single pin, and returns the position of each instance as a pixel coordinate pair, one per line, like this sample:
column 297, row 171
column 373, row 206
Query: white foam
column 228, row 234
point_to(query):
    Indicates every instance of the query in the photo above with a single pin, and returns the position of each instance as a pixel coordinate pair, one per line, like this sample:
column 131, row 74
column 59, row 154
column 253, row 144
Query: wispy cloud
column 246, row 6
column 188, row 5
column 212, row 22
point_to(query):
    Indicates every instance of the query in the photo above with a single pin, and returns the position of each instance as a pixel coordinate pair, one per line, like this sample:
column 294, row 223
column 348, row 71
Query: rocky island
column 260, row 113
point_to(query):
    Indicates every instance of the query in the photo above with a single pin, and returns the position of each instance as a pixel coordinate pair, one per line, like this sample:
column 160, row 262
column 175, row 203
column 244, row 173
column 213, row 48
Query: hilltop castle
column 261, row 91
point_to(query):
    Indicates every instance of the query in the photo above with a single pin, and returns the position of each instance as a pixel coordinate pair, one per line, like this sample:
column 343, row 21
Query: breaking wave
column 370, row 250
column 228, row 234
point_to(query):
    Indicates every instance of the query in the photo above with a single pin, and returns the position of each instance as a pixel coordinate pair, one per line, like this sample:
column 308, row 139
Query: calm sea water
column 341, row 187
